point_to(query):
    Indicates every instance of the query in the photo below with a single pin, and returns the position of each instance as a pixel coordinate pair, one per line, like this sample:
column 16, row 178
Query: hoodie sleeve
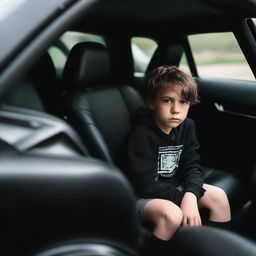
column 192, row 175
column 142, row 162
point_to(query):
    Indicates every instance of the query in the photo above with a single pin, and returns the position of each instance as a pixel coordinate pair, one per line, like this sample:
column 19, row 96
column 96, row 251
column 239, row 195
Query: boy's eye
column 167, row 100
column 184, row 102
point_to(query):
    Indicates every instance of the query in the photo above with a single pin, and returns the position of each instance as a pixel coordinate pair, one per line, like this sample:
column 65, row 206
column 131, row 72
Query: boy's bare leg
column 166, row 216
column 215, row 199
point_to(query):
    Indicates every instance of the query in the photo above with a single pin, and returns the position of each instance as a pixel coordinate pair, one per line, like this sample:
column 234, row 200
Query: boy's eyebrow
column 166, row 97
column 170, row 97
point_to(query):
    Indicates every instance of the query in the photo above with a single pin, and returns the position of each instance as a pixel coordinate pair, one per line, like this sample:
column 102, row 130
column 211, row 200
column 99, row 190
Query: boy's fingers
column 185, row 221
column 196, row 221
column 191, row 221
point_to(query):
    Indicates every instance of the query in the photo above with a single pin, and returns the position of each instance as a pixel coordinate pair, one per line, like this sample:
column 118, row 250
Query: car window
column 71, row 38
column 59, row 59
column 59, row 51
column 142, row 50
column 218, row 55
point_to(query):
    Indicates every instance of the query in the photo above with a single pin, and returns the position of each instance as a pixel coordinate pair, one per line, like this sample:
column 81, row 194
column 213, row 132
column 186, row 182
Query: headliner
column 153, row 17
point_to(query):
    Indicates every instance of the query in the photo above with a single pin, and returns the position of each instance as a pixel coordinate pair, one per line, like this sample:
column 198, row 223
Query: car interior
column 63, row 127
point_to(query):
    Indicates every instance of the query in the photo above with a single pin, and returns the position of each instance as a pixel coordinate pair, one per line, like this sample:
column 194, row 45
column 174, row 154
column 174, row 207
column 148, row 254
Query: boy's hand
column 190, row 211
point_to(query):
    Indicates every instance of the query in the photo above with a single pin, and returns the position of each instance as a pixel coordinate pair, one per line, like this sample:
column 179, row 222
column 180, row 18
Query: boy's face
column 170, row 108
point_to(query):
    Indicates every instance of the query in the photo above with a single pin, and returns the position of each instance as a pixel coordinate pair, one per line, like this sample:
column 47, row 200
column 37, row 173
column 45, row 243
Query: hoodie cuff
column 195, row 189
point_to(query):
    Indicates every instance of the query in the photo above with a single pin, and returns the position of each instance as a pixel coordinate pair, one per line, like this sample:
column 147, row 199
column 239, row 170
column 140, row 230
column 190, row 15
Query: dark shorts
column 141, row 202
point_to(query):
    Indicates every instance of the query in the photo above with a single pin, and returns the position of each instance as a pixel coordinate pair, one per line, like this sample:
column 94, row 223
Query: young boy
column 162, row 156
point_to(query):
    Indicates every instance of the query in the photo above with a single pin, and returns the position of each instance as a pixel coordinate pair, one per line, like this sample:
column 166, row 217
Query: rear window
column 71, row 38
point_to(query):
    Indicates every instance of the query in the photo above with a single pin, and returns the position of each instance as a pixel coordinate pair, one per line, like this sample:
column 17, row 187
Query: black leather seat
column 86, row 248
column 211, row 242
column 46, row 201
column 51, row 191
column 44, row 78
column 101, row 114
column 41, row 86
column 101, row 111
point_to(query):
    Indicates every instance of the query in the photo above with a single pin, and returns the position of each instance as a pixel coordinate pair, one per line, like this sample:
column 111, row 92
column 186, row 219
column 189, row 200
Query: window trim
column 190, row 57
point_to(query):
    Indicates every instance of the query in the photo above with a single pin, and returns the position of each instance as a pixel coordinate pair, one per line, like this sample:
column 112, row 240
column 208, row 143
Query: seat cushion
column 231, row 184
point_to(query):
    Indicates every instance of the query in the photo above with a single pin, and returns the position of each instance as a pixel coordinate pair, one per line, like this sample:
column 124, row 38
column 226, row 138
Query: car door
column 226, row 115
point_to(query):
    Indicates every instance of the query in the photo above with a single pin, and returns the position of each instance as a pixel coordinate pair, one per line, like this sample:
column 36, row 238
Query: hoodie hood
column 143, row 116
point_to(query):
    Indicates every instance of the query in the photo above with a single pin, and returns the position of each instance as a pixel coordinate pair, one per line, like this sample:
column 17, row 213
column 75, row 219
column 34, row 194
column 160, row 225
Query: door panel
column 226, row 124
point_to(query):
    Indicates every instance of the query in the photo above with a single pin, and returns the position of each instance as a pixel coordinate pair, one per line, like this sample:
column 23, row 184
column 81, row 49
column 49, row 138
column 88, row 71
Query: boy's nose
column 175, row 108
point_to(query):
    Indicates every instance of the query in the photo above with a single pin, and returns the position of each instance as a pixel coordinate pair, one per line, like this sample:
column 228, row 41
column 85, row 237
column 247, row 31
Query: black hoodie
column 159, row 163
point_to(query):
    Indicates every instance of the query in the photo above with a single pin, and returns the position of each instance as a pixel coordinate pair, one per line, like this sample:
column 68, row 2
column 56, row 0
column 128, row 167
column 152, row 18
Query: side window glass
column 59, row 51
column 142, row 50
column 219, row 55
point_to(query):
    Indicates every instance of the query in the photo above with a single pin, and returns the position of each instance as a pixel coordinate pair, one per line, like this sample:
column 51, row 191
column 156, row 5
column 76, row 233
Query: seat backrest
column 39, row 90
column 46, row 201
column 99, row 109
column 44, row 78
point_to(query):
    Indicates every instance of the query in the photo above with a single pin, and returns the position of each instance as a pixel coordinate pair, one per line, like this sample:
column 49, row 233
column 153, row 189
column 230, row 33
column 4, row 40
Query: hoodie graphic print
column 168, row 160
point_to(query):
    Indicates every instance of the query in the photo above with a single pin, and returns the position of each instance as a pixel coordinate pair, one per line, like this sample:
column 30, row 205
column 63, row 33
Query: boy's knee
column 173, row 216
column 219, row 196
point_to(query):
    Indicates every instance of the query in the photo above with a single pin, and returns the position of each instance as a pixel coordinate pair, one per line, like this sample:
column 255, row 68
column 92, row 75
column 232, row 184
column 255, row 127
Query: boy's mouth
column 174, row 119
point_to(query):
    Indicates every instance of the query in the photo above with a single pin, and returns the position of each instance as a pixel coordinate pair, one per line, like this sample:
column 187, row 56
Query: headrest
column 88, row 64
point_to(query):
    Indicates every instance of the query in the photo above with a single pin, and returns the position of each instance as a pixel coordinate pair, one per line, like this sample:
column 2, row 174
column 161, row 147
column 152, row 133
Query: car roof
column 34, row 25
column 143, row 17
column 155, row 17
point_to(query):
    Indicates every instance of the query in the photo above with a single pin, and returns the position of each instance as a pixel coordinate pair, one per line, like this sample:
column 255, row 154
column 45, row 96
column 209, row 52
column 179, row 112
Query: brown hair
column 166, row 76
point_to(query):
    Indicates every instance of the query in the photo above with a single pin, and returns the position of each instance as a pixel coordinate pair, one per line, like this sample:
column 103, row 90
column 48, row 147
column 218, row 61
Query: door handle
column 220, row 108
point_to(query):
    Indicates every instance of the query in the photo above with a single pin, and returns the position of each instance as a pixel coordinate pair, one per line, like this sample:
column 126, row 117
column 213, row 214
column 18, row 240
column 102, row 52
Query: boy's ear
column 150, row 104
